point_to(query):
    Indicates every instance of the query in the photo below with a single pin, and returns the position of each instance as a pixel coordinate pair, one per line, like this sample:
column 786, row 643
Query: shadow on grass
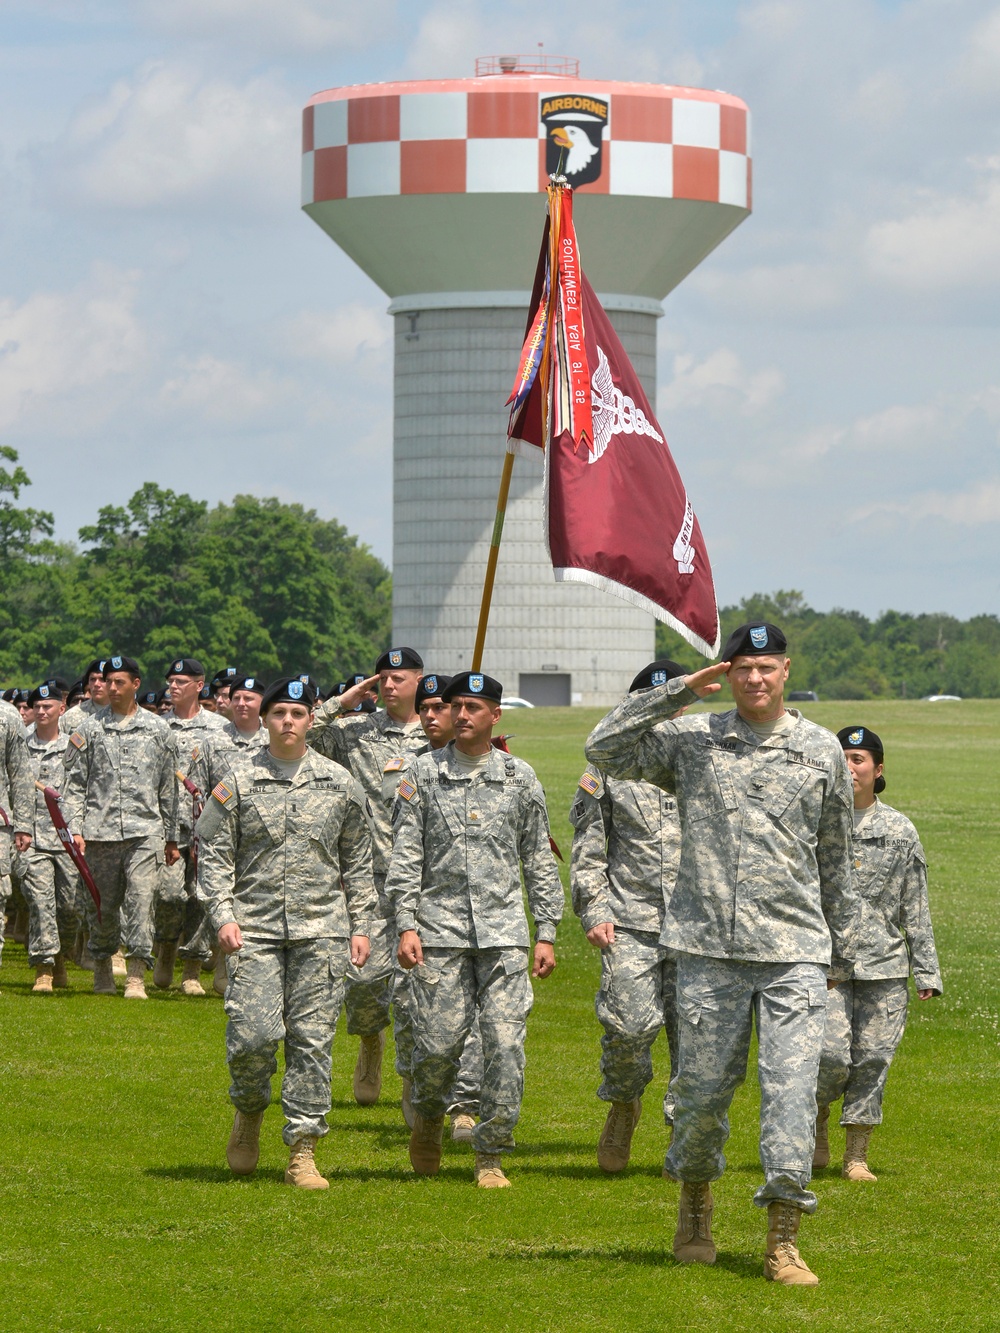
column 741, row 1265
column 220, row 1175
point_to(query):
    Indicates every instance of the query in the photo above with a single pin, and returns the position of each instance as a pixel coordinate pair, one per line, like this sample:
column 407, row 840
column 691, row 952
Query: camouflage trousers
column 6, row 846
column 635, row 1001
column 864, row 1025
column 718, row 1003
column 177, row 910
column 369, row 991
column 290, row 991
column 126, row 874
column 50, row 883
column 453, row 987
column 468, row 1080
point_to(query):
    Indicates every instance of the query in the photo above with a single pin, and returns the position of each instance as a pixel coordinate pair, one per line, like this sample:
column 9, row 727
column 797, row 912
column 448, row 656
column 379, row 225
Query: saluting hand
column 706, row 681
column 351, row 697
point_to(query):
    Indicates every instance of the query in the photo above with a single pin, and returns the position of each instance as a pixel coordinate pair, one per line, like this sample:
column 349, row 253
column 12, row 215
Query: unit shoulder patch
column 407, row 790
column 591, row 784
column 78, row 739
column 222, row 793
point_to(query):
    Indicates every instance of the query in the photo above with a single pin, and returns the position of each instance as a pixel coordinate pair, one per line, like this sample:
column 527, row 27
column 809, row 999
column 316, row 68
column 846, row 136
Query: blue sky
column 829, row 379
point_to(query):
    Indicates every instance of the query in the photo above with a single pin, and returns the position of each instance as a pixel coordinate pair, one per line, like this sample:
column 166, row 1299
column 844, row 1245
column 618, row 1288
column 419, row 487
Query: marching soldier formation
column 736, row 869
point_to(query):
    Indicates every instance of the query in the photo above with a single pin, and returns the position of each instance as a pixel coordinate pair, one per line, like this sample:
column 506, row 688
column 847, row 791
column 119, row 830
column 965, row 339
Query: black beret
column 58, row 682
column 399, row 657
column 431, row 687
column 313, row 684
column 657, row 673
column 252, row 684
column 759, row 639
column 150, row 699
column 223, row 677
column 119, row 662
column 205, row 692
column 184, row 666
column 860, row 738
column 94, row 668
column 474, row 684
column 288, row 690
column 47, row 690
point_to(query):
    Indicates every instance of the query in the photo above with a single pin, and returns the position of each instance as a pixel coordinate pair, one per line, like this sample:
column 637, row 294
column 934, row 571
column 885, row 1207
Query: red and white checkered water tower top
column 435, row 186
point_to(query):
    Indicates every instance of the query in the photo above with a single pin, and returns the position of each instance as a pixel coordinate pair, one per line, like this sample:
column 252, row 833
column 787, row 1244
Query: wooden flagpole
column 555, row 198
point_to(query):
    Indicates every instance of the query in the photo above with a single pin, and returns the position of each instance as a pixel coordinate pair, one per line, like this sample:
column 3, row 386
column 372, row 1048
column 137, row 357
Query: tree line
column 256, row 584
column 844, row 655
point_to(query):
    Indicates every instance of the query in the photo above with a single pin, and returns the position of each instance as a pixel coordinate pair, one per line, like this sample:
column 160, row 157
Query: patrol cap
column 396, row 658
column 184, row 666
column 861, row 738
column 475, row 685
column 757, row 639
column 224, row 677
column 119, row 662
column 253, row 684
column 288, row 690
column 47, row 690
column 431, row 687
column 657, row 673
column 94, row 668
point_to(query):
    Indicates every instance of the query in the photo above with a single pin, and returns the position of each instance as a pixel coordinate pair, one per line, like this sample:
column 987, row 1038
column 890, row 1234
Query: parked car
column 941, row 699
column 515, row 701
column 802, row 697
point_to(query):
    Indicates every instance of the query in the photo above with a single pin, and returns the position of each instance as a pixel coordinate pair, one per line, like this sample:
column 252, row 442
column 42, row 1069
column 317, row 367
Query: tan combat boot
column 220, row 975
column 693, row 1243
column 462, row 1127
column 856, row 1153
column 60, row 977
column 615, row 1143
column 821, row 1153
column 135, row 986
column 191, row 978
column 425, row 1144
column 302, row 1171
column 163, row 971
column 406, row 1102
column 243, row 1148
column 43, row 980
column 118, row 964
column 368, row 1070
column 488, row 1173
column 104, row 977
column 783, row 1263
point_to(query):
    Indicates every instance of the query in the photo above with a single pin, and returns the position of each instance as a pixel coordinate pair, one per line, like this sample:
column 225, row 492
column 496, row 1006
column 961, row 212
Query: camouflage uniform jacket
column 287, row 860
column 460, row 845
column 46, row 759
column 190, row 735
column 626, row 849
column 17, row 795
column 72, row 717
column 890, row 870
column 121, row 778
column 365, row 743
column 221, row 751
column 765, row 868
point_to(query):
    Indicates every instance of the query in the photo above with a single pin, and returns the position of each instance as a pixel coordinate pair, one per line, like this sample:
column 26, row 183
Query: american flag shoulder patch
column 590, row 784
column 394, row 765
column 78, row 739
column 222, row 793
column 407, row 790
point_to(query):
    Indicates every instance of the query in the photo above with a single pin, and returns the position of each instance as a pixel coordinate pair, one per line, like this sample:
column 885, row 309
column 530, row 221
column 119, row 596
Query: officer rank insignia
column 590, row 784
column 407, row 790
column 222, row 793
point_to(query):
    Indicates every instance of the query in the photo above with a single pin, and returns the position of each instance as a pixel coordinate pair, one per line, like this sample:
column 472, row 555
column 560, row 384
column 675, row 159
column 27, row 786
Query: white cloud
column 721, row 379
column 793, row 290
column 969, row 508
column 270, row 26
column 338, row 336
column 223, row 392
column 946, row 241
column 169, row 137
column 56, row 344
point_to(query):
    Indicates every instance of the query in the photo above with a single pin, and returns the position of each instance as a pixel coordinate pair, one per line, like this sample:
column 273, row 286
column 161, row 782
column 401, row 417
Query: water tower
column 435, row 189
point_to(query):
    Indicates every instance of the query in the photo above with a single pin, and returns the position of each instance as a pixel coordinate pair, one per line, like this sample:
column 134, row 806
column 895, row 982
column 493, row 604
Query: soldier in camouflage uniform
column 764, row 911
column 626, row 849
column 285, row 873
column 468, row 820
column 17, row 801
column 866, row 1016
column 365, row 743
column 49, row 879
column 121, row 793
column 177, row 911
column 95, row 696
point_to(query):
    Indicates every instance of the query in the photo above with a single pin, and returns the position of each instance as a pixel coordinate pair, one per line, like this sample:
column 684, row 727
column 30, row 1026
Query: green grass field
column 118, row 1211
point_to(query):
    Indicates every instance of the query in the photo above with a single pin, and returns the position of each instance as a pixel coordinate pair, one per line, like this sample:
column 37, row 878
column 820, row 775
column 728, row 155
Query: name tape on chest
column 407, row 790
column 79, row 740
column 590, row 784
column 222, row 793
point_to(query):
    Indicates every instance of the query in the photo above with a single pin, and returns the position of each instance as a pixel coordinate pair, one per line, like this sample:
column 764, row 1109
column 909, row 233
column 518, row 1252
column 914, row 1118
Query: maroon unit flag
column 52, row 799
column 617, row 512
